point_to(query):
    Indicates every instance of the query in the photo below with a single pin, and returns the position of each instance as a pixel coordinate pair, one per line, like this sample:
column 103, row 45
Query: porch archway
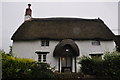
column 67, row 51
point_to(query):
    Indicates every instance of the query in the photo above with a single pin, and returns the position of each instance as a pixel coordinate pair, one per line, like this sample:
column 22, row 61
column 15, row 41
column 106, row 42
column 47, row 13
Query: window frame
column 39, row 57
column 43, row 59
column 45, row 42
column 96, row 43
column 94, row 56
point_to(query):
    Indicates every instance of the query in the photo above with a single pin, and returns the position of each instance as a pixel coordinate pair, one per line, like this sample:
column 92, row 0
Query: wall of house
column 86, row 48
column 27, row 49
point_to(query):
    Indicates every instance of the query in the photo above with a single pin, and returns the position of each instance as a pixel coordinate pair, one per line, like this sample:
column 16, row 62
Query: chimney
column 28, row 13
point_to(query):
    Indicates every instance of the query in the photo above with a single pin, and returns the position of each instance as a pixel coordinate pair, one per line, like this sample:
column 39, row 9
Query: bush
column 91, row 66
column 112, row 65
column 15, row 68
column 109, row 66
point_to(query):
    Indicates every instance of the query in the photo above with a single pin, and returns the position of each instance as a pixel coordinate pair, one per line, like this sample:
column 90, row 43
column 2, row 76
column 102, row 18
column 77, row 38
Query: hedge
column 22, row 68
column 109, row 66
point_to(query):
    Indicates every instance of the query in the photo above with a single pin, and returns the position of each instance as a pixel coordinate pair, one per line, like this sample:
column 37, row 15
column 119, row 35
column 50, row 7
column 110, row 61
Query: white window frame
column 42, row 58
column 45, row 42
column 96, row 43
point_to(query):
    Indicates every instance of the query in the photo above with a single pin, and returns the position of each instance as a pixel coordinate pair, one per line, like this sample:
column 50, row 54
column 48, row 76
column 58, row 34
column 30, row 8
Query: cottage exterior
column 117, row 41
column 61, row 41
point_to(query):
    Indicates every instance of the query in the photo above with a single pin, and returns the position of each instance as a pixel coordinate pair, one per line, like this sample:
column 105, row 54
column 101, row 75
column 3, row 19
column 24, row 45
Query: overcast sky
column 13, row 14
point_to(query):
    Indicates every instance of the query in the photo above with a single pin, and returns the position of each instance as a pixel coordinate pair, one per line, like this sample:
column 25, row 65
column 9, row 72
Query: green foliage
column 109, row 66
column 23, row 68
column 10, row 51
column 112, row 64
column 91, row 66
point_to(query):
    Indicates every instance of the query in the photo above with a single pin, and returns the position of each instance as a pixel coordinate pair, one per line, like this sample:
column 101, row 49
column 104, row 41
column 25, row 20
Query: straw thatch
column 63, row 28
column 117, row 40
column 70, row 45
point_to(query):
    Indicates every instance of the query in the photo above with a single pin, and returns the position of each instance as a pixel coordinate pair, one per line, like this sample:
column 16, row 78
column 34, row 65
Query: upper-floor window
column 44, row 43
column 96, row 43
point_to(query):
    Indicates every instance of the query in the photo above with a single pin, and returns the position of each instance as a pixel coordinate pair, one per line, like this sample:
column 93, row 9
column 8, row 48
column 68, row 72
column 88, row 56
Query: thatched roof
column 63, row 28
column 66, row 47
column 117, row 40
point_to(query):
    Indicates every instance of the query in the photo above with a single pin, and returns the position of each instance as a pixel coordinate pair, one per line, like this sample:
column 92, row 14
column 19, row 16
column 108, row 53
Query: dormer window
column 96, row 43
column 44, row 43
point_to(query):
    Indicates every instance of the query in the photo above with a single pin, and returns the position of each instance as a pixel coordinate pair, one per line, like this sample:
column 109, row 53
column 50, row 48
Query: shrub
column 112, row 65
column 109, row 66
column 86, row 63
column 15, row 68
column 91, row 66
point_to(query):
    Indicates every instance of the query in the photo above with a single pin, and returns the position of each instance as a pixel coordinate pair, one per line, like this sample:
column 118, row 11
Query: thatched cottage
column 61, row 41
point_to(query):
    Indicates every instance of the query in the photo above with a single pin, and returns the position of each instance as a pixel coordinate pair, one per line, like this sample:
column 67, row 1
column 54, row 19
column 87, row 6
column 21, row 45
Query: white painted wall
column 86, row 48
column 27, row 49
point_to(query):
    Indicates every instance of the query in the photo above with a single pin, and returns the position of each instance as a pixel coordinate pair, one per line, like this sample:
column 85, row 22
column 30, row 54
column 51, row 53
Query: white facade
column 27, row 49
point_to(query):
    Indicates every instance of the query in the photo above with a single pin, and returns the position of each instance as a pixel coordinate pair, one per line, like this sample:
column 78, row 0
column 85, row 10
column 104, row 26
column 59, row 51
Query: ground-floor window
column 42, row 57
column 94, row 56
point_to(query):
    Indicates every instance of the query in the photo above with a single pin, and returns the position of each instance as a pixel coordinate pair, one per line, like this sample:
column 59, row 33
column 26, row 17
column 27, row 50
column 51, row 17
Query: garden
column 23, row 68
column 108, row 67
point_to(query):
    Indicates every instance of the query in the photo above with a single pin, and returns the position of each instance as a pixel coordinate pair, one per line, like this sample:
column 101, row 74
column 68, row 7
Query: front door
column 66, row 64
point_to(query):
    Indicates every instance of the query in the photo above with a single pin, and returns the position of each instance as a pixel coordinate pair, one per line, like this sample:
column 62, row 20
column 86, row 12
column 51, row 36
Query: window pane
column 47, row 43
column 42, row 43
column 96, row 56
column 95, row 42
column 44, row 58
column 39, row 58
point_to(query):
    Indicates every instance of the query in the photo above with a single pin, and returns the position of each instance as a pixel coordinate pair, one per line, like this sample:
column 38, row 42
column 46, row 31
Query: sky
column 12, row 14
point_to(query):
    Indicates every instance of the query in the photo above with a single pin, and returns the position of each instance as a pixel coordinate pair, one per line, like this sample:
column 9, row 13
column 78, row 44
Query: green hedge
column 112, row 65
column 107, row 67
column 15, row 68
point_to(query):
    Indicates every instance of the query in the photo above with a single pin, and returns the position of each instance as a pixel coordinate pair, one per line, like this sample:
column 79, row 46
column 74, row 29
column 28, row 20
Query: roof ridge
column 67, row 28
column 66, row 19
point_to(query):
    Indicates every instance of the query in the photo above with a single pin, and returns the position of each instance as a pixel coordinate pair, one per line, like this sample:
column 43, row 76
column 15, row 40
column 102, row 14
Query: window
column 42, row 57
column 96, row 56
column 96, row 43
column 44, row 43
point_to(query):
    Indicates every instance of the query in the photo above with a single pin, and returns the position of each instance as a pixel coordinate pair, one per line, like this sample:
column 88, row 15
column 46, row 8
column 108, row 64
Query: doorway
column 66, row 64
